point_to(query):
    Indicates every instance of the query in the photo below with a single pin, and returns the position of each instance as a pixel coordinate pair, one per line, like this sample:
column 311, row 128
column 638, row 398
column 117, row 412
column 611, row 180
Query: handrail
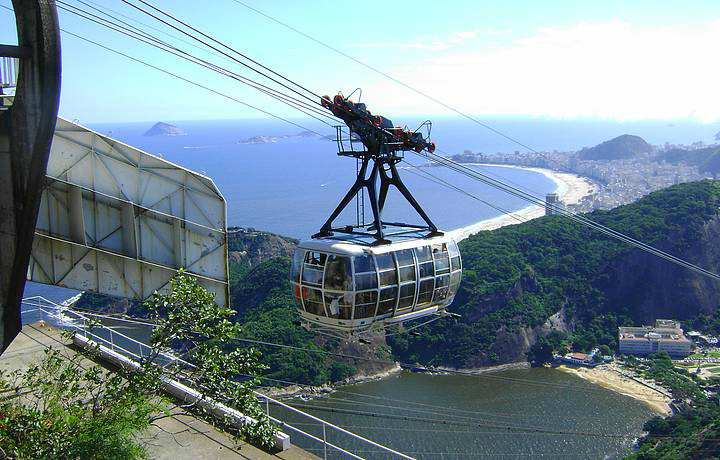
column 46, row 306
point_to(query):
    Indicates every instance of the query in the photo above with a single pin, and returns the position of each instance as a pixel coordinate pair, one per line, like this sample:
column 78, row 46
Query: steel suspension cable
column 151, row 40
column 316, row 98
column 579, row 218
column 194, row 83
column 380, row 72
column 432, row 178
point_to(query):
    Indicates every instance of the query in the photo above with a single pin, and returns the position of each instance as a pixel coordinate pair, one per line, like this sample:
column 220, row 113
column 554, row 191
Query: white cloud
column 608, row 70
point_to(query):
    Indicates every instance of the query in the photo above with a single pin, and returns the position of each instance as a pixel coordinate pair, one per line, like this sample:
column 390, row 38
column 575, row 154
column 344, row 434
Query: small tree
column 67, row 407
column 605, row 350
column 190, row 323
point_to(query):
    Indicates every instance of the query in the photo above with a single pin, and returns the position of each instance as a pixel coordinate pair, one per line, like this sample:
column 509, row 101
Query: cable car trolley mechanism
column 361, row 280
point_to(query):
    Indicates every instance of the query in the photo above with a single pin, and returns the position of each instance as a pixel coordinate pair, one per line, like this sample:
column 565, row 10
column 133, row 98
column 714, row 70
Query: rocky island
column 274, row 139
column 164, row 129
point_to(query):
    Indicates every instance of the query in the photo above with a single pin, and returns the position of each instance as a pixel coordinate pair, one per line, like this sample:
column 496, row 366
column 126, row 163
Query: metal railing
column 86, row 324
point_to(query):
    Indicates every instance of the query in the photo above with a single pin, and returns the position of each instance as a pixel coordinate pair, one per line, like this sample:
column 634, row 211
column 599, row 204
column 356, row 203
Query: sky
column 619, row 60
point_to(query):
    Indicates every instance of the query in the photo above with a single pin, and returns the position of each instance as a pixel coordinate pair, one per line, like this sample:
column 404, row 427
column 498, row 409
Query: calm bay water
column 291, row 186
column 451, row 416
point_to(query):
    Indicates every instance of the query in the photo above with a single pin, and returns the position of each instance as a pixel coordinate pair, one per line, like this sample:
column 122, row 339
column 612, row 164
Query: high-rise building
column 551, row 200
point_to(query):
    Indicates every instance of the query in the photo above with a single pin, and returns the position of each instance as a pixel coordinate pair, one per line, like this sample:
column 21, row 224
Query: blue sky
column 623, row 60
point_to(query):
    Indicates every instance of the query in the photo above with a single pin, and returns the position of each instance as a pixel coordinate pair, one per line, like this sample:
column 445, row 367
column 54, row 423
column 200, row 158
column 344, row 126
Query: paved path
column 181, row 437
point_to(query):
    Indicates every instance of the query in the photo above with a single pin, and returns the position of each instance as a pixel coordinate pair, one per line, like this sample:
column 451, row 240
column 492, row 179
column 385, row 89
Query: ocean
column 291, row 186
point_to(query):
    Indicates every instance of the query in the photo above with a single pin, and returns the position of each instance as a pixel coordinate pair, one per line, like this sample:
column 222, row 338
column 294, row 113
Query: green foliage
column 707, row 159
column 682, row 385
column 693, row 434
column 545, row 348
column 62, row 407
column 189, row 322
column 67, row 407
column 625, row 146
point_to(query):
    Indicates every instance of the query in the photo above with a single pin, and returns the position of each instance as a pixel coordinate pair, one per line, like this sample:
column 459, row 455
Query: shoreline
column 571, row 189
column 610, row 378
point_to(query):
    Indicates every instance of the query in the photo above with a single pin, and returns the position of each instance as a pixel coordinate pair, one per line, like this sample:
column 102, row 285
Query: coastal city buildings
column 666, row 335
column 618, row 182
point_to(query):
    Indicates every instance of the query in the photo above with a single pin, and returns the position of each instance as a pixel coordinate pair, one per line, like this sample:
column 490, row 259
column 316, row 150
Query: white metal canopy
column 119, row 221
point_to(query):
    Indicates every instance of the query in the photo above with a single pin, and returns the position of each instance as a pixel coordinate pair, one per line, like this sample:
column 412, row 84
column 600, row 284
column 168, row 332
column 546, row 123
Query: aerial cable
column 432, row 408
column 295, row 103
column 361, row 358
column 442, row 411
column 203, row 61
column 380, row 72
column 199, row 85
column 585, row 221
column 500, row 184
column 507, row 428
column 174, row 18
column 105, row 9
column 409, row 365
column 465, row 424
column 149, row 13
column 375, row 360
column 419, row 171
column 459, row 167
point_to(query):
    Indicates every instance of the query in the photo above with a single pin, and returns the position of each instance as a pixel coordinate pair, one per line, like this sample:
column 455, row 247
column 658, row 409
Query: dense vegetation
column 518, row 276
column 621, row 147
column 693, row 433
column 62, row 407
column 515, row 277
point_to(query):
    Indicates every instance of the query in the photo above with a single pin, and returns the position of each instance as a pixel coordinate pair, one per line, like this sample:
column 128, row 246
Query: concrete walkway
column 177, row 437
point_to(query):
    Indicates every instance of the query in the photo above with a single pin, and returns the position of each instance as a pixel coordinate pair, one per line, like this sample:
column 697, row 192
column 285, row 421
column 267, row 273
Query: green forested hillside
column 515, row 278
column 518, row 276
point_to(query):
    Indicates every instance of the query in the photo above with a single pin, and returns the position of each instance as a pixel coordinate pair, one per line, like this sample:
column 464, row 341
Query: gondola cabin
column 350, row 288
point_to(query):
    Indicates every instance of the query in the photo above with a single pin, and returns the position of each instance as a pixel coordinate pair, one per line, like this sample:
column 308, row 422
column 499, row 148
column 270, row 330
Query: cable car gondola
column 350, row 288
column 357, row 279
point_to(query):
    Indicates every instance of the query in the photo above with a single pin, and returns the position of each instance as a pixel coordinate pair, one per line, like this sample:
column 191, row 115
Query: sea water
column 292, row 185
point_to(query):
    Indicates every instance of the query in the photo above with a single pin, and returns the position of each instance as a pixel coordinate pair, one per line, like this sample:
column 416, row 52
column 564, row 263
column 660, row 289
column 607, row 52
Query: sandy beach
column 608, row 377
column 571, row 188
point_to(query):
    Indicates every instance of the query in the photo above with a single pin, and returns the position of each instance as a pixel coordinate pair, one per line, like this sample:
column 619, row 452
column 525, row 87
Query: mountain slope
column 707, row 159
column 621, row 147
column 522, row 281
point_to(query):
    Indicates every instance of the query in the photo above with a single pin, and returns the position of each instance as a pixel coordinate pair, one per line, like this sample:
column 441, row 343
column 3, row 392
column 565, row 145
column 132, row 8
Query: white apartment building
column 665, row 336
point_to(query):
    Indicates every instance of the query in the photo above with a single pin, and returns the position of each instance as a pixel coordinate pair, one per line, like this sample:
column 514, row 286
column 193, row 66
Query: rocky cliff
column 248, row 247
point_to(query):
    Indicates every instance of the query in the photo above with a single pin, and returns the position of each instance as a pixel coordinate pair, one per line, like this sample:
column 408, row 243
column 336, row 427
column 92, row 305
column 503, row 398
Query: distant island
column 717, row 136
column 273, row 139
column 165, row 129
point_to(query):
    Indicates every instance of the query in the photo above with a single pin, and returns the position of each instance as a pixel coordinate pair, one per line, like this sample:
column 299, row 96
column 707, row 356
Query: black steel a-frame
column 380, row 157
